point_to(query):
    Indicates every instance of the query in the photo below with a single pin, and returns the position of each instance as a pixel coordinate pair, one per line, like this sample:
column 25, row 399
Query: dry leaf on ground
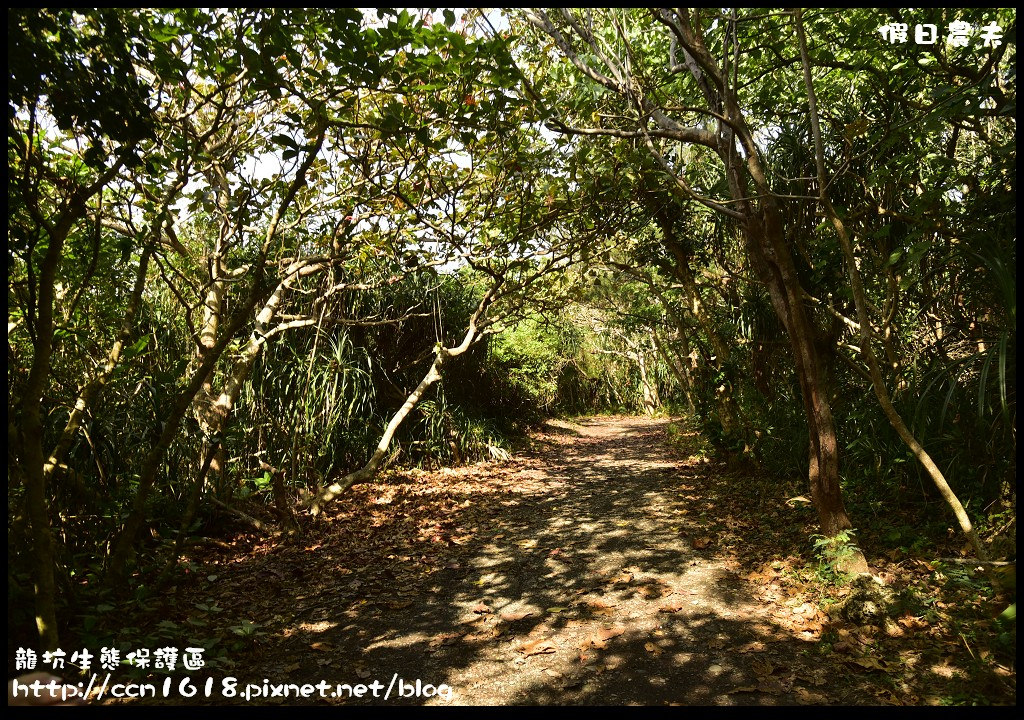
column 537, row 647
column 515, row 616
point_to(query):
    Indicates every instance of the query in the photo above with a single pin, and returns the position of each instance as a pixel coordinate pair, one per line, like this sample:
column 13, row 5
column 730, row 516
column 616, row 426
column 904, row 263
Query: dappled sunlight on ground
column 596, row 568
column 569, row 575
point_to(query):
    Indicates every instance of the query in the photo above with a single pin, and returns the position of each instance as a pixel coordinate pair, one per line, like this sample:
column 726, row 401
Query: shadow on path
column 574, row 575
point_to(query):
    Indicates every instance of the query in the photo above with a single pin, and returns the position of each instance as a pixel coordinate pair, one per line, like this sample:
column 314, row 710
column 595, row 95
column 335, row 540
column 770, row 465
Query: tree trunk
column 42, row 540
column 860, row 300
column 95, row 385
column 648, row 387
column 281, row 503
column 31, row 436
column 728, row 412
column 369, row 470
column 774, row 264
column 680, row 370
column 205, row 408
column 190, row 512
column 123, row 544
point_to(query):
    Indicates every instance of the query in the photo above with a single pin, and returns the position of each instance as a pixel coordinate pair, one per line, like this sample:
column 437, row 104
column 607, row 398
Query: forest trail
column 579, row 572
column 584, row 571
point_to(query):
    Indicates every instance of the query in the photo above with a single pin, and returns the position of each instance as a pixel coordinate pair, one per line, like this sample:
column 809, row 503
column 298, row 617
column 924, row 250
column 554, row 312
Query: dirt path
column 578, row 573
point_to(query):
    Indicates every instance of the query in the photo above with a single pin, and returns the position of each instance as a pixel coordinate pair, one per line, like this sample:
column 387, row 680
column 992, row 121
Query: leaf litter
column 514, row 582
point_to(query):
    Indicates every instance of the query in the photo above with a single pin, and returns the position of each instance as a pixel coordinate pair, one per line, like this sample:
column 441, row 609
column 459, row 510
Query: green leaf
column 165, row 34
column 283, row 140
column 137, row 347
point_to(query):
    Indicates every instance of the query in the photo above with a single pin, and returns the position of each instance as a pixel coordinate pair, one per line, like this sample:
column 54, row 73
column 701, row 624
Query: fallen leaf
column 893, row 630
column 601, row 608
column 888, row 697
column 807, row 697
column 770, row 686
column 609, row 632
column 445, row 639
column 600, row 638
column 651, row 592
column 870, row 663
column 818, row 676
column 806, row 609
column 514, row 616
column 751, row 647
column 483, row 635
column 537, row 647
